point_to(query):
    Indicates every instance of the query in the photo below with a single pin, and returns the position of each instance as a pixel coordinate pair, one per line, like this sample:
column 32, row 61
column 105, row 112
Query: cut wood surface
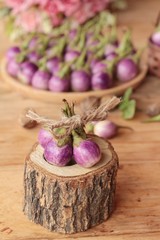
column 137, row 213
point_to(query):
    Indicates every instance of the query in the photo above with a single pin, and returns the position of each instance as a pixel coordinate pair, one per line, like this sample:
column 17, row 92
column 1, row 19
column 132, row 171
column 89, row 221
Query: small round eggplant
column 155, row 38
column 26, row 72
column 53, row 65
column 58, row 156
column 12, row 52
column 40, row 80
column 13, row 67
column 126, row 70
column 105, row 129
column 57, row 84
column 87, row 153
column 80, row 81
column 33, row 57
column 111, row 56
column 98, row 66
column 71, row 55
column 101, row 80
column 110, row 48
column 44, row 137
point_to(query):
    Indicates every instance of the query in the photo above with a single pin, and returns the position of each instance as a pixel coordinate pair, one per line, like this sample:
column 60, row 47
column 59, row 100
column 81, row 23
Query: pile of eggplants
column 78, row 59
column 61, row 149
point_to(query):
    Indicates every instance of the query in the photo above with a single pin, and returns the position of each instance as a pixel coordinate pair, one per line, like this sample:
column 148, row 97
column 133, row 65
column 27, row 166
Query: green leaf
column 153, row 119
column 127, row 94
column 130, row 110
column 123, row 105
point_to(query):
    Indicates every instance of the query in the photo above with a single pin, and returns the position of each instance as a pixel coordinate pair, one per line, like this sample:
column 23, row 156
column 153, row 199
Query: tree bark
column 69, row 203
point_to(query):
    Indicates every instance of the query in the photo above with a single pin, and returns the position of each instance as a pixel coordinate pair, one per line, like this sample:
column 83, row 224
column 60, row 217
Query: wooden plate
column 48, row 96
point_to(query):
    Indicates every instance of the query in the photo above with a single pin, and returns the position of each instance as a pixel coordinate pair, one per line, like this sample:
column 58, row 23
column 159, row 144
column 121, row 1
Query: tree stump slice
column 69, row 199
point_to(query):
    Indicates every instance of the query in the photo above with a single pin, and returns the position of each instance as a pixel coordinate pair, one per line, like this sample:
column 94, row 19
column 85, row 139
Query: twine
column 99, row 114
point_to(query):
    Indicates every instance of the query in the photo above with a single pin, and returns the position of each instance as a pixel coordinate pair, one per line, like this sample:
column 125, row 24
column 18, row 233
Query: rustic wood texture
column 70, row 203
column 137, row 212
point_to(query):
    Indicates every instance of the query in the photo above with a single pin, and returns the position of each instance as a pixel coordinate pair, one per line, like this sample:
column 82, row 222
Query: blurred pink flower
column 28, row 13
column 29, row 20
column 15, row 4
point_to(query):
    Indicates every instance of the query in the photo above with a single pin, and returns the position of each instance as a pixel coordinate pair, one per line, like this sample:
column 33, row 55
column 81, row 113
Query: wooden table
column 137, row 213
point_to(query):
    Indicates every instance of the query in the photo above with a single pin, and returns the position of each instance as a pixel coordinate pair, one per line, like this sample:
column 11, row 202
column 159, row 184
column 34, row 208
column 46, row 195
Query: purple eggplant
column 33, row 43
column 111, row 56
column 155, row 38
column 58, row 156
column 33, row 57
column 105, row 129
column 110, row 48
column 80, row 81
column 26, row 72
column 44, row 137
column 98, row 66
column 86, row 152
column 53, row 65
column 13, row 67
column 12, row 52
column 126, row 70
column 58, row 84
column 71, row 55
column 101, row 80
column 40, row 80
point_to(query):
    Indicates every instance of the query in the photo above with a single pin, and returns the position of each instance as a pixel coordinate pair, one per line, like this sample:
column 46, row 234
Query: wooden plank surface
column 137, row 200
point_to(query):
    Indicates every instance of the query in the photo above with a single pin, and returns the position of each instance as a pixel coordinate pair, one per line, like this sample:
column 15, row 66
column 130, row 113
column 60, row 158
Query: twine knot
column 71, row 123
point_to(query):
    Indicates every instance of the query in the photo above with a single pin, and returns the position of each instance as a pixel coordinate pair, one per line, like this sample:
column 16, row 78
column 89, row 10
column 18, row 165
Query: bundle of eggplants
column 60, row 148
column 88, row 57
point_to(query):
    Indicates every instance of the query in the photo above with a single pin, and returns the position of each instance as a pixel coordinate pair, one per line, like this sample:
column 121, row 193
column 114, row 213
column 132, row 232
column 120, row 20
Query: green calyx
column 64, row 70
column 79, row 62
column 125, row 45
column 77, row 138
column 68, row 111
column 62, row 141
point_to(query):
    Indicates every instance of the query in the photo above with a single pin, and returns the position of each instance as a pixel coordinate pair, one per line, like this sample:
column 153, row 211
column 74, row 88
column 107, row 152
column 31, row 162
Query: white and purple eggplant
column 80, row 81
column 71, row 55
column 101, row 80
column 13, row 67
column 105, row 129
column 53, row 65
column 80, row 77
column 26, row 72
column 126, row 69
column 86, row 152
column 33, row 57
column 98, row 66
column 41, row 79
column 12, row 52
column 110, row 49
column 44, row 137
column 60, row 82
column 111, row 56
column 155, row 38
column 58, row 155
